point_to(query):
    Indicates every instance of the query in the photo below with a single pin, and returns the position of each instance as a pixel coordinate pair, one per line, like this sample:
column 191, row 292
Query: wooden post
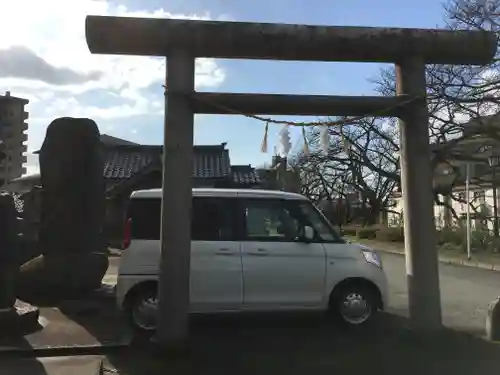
column 416, row 180
column 175, row 235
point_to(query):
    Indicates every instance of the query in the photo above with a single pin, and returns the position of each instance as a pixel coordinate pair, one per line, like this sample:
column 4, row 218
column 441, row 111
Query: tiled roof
column 123, row 161
column 244, row 175
column 211, row 162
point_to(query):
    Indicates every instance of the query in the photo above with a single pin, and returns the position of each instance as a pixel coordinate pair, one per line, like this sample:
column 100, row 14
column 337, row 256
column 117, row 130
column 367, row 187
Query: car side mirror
column 308, row 234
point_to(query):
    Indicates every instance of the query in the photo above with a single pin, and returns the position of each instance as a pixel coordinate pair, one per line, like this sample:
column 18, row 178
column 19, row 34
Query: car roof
column 226, row 193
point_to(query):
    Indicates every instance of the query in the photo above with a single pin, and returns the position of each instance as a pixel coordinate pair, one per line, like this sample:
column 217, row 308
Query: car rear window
column 145, row 218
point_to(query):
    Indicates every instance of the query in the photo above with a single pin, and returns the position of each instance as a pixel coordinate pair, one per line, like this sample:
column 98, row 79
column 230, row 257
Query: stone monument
column 73, row 257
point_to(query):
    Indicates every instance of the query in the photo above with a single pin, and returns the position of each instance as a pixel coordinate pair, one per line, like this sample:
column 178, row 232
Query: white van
column 252, row 250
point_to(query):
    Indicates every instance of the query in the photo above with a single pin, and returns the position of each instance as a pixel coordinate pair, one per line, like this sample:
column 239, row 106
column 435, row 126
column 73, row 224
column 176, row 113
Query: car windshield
column 320, row 224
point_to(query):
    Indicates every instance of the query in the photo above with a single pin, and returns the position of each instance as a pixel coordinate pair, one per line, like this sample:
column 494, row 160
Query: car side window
column 314, row 218
column 212, row 219
column 269, row 220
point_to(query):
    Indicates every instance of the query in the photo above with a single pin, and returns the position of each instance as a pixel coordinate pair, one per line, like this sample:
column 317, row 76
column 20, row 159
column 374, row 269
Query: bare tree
column 460, row 95
column 464, row 113
column 362, row 159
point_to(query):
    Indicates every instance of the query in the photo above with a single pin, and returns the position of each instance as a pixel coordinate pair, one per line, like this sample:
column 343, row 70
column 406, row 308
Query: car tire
column 354, row 305
column 142, row 309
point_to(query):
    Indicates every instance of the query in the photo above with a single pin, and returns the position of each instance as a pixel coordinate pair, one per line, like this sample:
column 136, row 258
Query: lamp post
column 493, row 161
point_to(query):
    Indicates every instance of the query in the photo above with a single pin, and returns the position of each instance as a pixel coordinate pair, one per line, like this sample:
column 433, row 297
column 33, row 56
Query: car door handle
column 224, row 252
column 259, row 252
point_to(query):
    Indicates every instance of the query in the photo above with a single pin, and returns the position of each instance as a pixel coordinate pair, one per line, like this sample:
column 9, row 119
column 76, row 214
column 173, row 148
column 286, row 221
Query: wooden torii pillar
column 181, row 41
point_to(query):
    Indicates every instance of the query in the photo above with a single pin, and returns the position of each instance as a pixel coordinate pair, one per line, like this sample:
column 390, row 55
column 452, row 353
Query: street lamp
column 443, row 180
column 493, row 161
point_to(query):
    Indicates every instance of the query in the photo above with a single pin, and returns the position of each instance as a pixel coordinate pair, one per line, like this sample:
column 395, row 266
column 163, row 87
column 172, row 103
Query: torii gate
column 181, row 41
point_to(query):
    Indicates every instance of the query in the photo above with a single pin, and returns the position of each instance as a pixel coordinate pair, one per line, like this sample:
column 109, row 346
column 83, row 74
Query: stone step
column 22, row 318
column 79, row 365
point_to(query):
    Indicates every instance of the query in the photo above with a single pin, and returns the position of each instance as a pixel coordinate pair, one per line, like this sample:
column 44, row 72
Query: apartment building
column 13, row 137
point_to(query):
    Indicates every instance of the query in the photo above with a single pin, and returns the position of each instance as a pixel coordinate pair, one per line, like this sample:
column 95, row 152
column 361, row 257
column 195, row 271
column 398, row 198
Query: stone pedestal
column 493, row 321
column 19, row 319
column 55, row 277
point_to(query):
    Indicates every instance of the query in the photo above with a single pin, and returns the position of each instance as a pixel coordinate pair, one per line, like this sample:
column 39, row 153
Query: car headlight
column 372, row 257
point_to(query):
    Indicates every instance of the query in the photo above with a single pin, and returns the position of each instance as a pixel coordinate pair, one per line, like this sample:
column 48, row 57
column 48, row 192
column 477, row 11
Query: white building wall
column 480, row 198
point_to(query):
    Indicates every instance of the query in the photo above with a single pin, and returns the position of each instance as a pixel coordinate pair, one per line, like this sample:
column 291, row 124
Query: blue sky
column 243, row 135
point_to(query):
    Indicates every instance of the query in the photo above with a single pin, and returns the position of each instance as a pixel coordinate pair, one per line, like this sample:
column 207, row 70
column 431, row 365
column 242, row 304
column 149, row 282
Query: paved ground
column 465, row 292
column 313, row 346
column 298, row 345
column 114, row 263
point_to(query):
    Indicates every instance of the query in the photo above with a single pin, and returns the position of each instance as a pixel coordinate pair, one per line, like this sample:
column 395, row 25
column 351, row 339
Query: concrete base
column 493, row 321
column 19, row 320
column 78, row 365
column 58, row 277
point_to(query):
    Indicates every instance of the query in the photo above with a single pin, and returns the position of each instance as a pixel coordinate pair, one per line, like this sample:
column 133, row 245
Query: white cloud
column 32, row 166
column 53, row 31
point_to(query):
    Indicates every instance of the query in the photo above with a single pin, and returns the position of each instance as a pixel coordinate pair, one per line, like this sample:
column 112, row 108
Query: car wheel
column 143, row 310
column 354, row 305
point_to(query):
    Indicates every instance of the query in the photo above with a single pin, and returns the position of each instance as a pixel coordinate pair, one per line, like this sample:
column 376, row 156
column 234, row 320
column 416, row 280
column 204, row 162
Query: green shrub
column 366, row 233
column 481, row 240
column 447, row 246
column 453, row 236
column 494, row 245
column 456, row 238
column 390, row 234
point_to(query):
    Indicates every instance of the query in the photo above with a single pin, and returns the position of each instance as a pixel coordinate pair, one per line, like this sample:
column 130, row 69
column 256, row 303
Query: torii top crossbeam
column 245, row 40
